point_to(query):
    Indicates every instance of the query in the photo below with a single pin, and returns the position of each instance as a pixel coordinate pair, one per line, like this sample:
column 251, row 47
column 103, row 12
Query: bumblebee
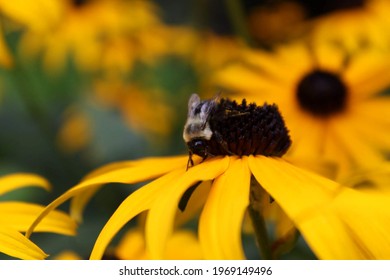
column 224, row 127
column 197, row 131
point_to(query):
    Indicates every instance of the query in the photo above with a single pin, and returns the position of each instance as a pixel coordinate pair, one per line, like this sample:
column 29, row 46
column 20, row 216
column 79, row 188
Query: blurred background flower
column 88, row 82
column 332, row 100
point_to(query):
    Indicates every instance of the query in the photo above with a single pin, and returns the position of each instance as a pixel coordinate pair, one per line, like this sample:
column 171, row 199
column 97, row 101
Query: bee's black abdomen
column 247, row 129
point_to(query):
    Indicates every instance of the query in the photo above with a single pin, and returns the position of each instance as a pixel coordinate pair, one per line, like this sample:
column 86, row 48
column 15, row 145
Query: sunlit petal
column 125, row 175
column 16, row 245
column 328, row 238
column 141, row 200
column 355, row 206
column 195, row 204
column 300, row 193
column 124, row 172
column 20, row 215
column 361, row 151
column 20, row 180
column 221, row 219
column 333, row 227
column 250, row 79
column 159, row 223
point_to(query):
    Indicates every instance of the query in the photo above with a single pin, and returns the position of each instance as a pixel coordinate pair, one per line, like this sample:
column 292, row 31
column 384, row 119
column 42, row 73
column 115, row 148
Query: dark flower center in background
column 322, row 93
column 79, row 3
column 242, row 129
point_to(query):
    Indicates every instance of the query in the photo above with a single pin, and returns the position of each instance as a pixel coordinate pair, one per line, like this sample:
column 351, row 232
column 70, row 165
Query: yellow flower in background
column 330, row 98
column 205, row 50
column 38, row 15
column 361, row 27
column 76, row 132
column 15, row 217
column 145, row 110
column 255, row 137
column 67, row 255
column 89, row 31
column 5, row 56
column 183, row 245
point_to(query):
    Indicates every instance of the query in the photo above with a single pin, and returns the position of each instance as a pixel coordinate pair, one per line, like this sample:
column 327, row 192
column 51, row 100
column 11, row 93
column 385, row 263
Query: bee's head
column 199, row 146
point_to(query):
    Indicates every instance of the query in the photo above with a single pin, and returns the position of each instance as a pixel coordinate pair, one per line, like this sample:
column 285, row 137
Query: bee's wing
column 207, row 109
column 193, row 102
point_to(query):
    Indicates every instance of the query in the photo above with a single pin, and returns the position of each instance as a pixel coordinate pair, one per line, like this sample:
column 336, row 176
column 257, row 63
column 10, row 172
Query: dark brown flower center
column 247, row 129
column 322, row 93
column 79, row 3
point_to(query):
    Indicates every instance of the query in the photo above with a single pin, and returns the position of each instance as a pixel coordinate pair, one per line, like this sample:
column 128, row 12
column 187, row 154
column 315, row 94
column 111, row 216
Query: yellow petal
column 132, row 174
column 251, row 80
column 16, row 245
column 221, row 219
column 79, row 202
column 159, row 222
column 371, row 121
column 355, row 226
column 367, row 216
column 328, row 238
column 139, row 201
column 38, row 15
column 299, row 193
column 303, row 196
column 329, row 57
column 20, row 180
column 362, row 152
column 375, row 179
column 129, row 172
column 375, row 110
column 336, row 222
column 20, row 215
column 147, row 169
column 367, row 83
column 194, row 205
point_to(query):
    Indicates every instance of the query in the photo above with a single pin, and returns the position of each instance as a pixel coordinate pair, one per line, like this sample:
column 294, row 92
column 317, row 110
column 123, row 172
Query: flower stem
column 255, row 210
column 237, row 17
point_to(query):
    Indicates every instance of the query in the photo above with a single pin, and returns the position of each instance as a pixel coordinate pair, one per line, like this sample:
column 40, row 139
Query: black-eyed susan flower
column 241, row 169
column 16, row 216
column 330, row 98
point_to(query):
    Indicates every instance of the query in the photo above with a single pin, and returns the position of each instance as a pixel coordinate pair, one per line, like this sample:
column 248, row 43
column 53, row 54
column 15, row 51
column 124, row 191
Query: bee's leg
column 222, row 142
column 190, row 162
column 205, row 157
